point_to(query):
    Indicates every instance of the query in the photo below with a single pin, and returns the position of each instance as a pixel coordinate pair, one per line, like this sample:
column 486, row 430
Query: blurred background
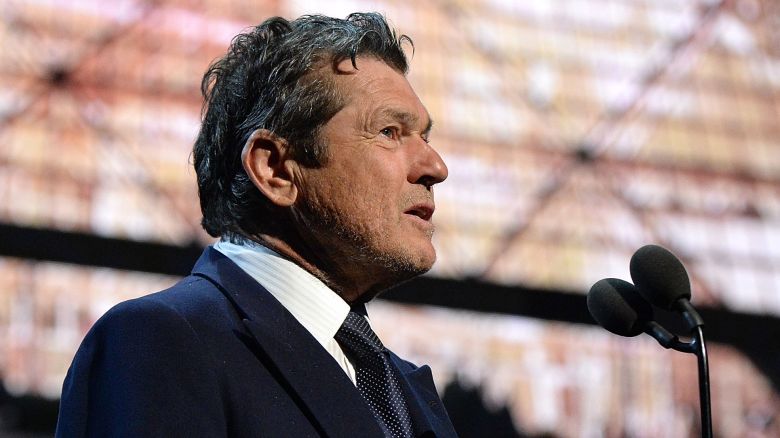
column 575, row 132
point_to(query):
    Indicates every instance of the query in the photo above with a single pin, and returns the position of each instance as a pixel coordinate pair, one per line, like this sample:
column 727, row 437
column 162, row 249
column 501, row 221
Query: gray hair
column 270, row 79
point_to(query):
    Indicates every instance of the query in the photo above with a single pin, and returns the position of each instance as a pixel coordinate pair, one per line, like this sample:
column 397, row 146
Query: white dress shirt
column 316, row 306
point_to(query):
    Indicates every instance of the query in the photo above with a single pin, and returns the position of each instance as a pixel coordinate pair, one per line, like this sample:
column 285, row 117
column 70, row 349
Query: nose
column 427, row 168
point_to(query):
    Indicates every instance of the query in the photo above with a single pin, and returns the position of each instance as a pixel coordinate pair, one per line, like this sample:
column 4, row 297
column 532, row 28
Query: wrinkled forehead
column 378, row 87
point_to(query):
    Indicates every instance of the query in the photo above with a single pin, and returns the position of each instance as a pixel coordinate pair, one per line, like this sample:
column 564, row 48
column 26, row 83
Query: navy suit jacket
column 217, row 355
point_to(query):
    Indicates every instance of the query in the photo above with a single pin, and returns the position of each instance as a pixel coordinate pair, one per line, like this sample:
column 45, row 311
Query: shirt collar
column 319, row 309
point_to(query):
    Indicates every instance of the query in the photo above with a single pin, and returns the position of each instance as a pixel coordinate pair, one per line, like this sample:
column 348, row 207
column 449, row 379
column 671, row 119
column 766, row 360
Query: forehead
column 378, row 89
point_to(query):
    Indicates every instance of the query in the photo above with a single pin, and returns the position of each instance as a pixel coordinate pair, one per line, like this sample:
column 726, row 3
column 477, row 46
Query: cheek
column 368, row 192
column 376, row 205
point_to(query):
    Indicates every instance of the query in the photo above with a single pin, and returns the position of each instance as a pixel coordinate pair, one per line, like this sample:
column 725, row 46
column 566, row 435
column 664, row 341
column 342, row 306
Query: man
column 314, row 168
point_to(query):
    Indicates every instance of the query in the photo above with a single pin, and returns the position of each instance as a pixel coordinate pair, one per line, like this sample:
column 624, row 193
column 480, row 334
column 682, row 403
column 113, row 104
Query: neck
column 349, row 288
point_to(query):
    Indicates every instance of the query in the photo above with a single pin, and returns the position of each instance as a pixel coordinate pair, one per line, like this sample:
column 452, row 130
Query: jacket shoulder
column 187, row 304
column 144, row 359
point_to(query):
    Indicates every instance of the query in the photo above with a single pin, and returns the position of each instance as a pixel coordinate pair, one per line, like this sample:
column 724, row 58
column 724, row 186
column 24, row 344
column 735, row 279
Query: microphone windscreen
column 659, row 276
column 617, row 306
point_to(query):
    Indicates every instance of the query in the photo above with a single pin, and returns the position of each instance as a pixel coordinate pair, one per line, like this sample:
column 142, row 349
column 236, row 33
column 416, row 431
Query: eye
column 390, row 132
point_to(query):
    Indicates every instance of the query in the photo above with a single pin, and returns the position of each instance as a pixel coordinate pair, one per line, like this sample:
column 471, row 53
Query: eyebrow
column 406, row 118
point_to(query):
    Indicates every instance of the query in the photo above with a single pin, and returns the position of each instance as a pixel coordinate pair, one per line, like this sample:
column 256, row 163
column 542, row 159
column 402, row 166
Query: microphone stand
column 704, row 382
column 695, row 323
column 698, row 347
column 695, row 346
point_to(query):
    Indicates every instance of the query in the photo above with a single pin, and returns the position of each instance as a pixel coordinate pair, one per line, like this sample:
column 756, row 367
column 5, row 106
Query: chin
column 419, row 262
column 426, row 263
column 397, row 269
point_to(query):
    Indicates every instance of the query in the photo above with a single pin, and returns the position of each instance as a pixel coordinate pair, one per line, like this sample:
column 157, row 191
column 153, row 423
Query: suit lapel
column 310, row 375
column 425, row 406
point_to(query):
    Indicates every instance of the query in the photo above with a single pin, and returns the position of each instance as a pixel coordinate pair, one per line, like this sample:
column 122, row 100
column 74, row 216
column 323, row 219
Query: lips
column 423, row 210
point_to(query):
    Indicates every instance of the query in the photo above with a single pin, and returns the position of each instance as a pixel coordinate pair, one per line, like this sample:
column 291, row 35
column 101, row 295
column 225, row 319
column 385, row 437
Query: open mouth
column 423, row 211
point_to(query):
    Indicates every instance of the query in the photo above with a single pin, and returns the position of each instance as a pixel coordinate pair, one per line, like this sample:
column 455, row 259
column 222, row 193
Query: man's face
column 368, row 209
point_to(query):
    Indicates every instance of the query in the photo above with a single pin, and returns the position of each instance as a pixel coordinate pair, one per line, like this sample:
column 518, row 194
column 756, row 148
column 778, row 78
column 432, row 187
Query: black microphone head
column 617, row 306
column 659, row 276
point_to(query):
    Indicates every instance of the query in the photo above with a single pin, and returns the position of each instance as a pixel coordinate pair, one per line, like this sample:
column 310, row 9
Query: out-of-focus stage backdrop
column 575, row 132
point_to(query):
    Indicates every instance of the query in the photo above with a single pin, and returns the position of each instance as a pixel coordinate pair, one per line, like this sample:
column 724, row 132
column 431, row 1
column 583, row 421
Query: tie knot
column 356, row 336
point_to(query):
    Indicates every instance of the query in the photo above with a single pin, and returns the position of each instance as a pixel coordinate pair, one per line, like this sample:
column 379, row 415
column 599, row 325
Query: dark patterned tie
column 376, row 379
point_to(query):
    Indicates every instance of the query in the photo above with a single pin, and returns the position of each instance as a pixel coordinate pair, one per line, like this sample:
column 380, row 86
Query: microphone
column 614, row 304
column 618, row 307
column 661, row 279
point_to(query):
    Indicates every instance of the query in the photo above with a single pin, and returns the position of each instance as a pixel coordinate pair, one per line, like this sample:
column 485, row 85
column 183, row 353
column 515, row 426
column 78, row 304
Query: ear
column 265, row 161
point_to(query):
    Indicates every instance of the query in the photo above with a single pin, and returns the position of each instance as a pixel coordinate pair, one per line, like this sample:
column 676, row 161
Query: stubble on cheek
column 369, row 233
